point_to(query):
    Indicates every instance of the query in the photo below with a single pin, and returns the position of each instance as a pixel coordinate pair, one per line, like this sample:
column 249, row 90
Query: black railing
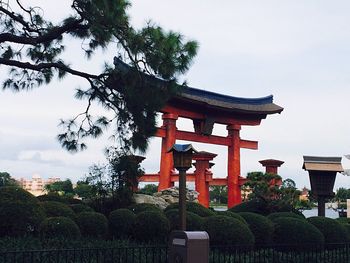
column 339, row 253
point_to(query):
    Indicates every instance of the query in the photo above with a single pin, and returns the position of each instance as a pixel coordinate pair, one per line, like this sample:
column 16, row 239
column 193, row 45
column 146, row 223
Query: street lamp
column 322, row 172
column 182, row 156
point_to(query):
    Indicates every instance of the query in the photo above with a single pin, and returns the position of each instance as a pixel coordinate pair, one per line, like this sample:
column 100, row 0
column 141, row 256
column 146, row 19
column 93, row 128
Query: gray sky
column 299, row 51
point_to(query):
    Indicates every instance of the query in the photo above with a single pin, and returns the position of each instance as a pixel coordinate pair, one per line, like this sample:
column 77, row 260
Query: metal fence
column 158, row 254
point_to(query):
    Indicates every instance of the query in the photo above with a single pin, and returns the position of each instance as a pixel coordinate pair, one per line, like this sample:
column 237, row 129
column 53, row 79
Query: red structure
column 205, row 109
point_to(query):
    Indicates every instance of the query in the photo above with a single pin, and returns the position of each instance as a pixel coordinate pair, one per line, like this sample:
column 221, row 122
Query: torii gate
column 205, row 109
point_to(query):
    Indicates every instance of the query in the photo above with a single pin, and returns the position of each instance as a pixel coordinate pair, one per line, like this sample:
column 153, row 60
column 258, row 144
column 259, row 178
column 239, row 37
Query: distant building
column 36, row 185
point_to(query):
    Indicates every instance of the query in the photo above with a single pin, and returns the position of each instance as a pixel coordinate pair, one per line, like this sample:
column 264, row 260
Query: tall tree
column 7, row 180
column 142, row 78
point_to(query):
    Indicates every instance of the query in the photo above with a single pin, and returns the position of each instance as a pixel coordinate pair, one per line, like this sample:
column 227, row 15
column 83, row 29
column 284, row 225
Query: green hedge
column 121, row 223
column 194, row 208
column 14, row 193
column 92, row 224
column 59, row 227
column 293, row 231
column 151, row 226
column 193, row 221
column 56, row 209
column 275, row 215
column 224, row 230
column 254, row 206
column 18, row 218
column 78, row 208
column 333, row 231
column 231, row 214
column 261, row 227
column 138, row 208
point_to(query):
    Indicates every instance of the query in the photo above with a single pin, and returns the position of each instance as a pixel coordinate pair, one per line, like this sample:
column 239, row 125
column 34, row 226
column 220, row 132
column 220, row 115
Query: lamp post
column 322, row 172
column 182, row 156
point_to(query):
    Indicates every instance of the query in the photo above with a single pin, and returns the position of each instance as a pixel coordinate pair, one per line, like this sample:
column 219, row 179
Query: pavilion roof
column 317, row 163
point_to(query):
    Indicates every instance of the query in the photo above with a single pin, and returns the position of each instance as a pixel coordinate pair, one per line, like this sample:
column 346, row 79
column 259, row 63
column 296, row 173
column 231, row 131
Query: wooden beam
column 194, row 137
column 219, row 181
column 189, row 177
column 149, row 178
column 253, row 145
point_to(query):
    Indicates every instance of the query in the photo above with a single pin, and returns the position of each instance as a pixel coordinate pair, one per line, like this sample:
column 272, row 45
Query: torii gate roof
column 227, row 103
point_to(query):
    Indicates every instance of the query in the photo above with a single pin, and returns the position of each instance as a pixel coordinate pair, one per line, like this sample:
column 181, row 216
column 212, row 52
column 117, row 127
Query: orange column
column 233, row 166
column 202, row 166
column 166, row 159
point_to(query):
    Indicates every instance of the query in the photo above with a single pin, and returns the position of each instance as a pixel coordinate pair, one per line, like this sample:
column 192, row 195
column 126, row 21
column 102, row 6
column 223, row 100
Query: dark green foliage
column 138, row 208
column 19, row 218
column 343, row 220
column 333, row 231
column 231, row 214
column 275, row 215
column 92, row 224
column 78, row 208
column 7, row 180
column 193, row 221
column 121, row 223
column 15, row 193
column 253, row 206
column 149, row 189
column 59, row 227
column 151, row 226
column 293, row 231
column 58, row 198
column 194, row 208
column 56, row 209
column 224, row 230
column 64, row 188
column 261, row 227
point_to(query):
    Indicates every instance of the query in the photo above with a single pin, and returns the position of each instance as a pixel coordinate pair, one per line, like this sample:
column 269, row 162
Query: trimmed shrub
column 193, row 221
column 254, row 206
column 58, row 198
column 343, row 220
column 56, row 209
column 59, row 227
column 224, row 230
column 231, row 214
column 333, row 231
column 293, row 231
column 138, row 208
column 261, row 227
column 92, row 224
column 14, row 193
column 194, row 208
column 18, row 218
column 121, row 223
column 78, row 208
column 275, row 215
column 151, row 226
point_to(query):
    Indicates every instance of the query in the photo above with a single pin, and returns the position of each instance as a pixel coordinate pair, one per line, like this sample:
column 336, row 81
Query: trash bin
column 188, row 247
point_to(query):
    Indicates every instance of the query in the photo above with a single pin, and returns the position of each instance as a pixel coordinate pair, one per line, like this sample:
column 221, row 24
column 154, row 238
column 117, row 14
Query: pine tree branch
column 41, row 66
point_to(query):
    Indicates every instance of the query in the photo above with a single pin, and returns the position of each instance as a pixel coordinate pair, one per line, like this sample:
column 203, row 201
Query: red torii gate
column 205, row 109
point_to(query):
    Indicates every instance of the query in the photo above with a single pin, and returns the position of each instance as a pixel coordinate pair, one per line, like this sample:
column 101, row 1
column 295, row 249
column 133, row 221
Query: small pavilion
column 205, row 109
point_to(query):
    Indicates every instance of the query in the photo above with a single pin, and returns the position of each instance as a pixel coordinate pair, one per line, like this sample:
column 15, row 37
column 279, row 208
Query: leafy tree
column 61, row 187
column 142, row 78
column 218, row 193
column 7, row 180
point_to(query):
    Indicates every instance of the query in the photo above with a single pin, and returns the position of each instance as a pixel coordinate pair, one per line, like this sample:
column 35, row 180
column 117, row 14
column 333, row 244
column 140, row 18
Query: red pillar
column 202, row 184
column 166, row 159
column 233, row 166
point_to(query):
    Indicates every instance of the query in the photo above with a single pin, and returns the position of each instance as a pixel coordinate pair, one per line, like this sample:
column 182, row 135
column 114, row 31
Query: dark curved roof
column 262, row 105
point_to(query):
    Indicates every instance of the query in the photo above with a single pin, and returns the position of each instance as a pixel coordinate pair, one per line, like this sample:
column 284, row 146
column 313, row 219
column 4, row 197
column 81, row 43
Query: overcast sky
column 299, row 51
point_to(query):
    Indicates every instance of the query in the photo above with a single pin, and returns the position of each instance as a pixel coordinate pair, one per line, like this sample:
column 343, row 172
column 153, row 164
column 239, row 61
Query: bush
column 261, row 227
column 58, row 198
column 254, row 206
column 121, row 223
column 194, row 208
column 275, row 215
column 224, row 230
column 138, row 208
column 18, row 218
column 231, row 214
column 333, row 231
column 92, row 224
column 56, row 209
column 59, row 227
column 343, row 220
column 193, row 221
column 151, row 226
column 293, row 231
column 78, row 208
column 14, row 193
